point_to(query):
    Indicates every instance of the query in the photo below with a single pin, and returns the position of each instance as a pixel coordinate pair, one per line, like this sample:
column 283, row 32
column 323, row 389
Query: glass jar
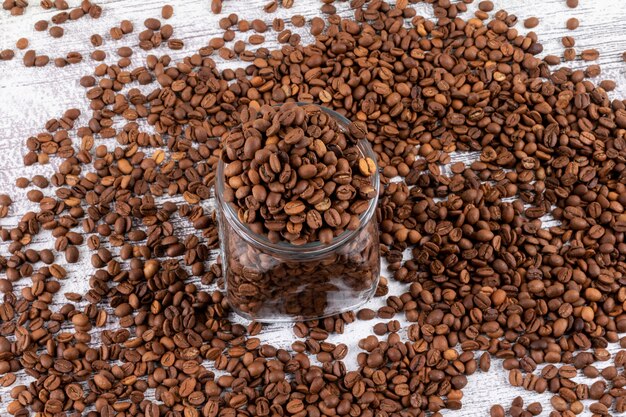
column 272, row 282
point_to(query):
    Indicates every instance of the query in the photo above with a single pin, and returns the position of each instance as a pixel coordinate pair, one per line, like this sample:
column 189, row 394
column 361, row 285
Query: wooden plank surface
column 29, row 97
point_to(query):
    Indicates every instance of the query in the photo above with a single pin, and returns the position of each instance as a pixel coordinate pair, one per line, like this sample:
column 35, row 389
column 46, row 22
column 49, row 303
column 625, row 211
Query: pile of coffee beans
column 484, row 275
column 293, row 174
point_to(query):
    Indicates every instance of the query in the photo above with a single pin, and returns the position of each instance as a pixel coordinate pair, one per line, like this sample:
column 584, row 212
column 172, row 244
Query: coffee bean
column 56, row 31
column 572, row 23
column 317, row 26
column 98, row 55
column 590, row 55
column 41, row 25
column 485, row 6
column 96, row 40
column 126, row 26
column 569, row 54
column 152, row 23
column 116, row 33
column 366, row 314
column 175, row 44
column 298, row 20
column 271, row 7
column 531, row 22
column 7, row 54
column 22, row 43
column 22, row 182
column 216, row 6
column 497, row 411
column 167, row 11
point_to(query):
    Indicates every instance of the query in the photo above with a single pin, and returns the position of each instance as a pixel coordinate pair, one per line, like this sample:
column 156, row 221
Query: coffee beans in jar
column 297, row 190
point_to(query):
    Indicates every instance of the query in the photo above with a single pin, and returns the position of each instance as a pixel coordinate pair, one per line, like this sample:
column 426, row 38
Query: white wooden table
column 31, row 96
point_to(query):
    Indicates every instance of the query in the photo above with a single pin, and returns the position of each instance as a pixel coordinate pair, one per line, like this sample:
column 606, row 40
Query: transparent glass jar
column 272, row 282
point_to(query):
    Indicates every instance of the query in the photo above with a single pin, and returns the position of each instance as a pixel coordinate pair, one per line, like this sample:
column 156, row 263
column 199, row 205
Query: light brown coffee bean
column 167, row 11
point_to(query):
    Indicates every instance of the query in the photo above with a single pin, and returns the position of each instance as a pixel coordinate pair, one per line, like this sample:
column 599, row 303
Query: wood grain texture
column 29, row 97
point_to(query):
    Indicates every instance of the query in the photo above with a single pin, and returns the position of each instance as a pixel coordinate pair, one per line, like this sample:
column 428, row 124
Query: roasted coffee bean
column 167, row 11
column 22, row 43
column 531, row 22
column 497, row 411
column 98, row 55
column 125, row 28
column 96, row 40
column 216, row 6
column 572, row 23
column 568, row 41
column 590, row 55
column 56, row 31
column 485, row 5
column 22, row 182
column 41, row 25
column 298, row 21
column 7, row 55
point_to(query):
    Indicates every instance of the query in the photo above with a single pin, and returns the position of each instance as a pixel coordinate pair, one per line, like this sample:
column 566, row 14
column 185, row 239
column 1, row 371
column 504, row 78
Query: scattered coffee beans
column 484, row 272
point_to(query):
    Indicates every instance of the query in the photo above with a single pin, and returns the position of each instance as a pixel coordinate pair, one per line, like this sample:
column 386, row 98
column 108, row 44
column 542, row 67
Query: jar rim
column 317, row 247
